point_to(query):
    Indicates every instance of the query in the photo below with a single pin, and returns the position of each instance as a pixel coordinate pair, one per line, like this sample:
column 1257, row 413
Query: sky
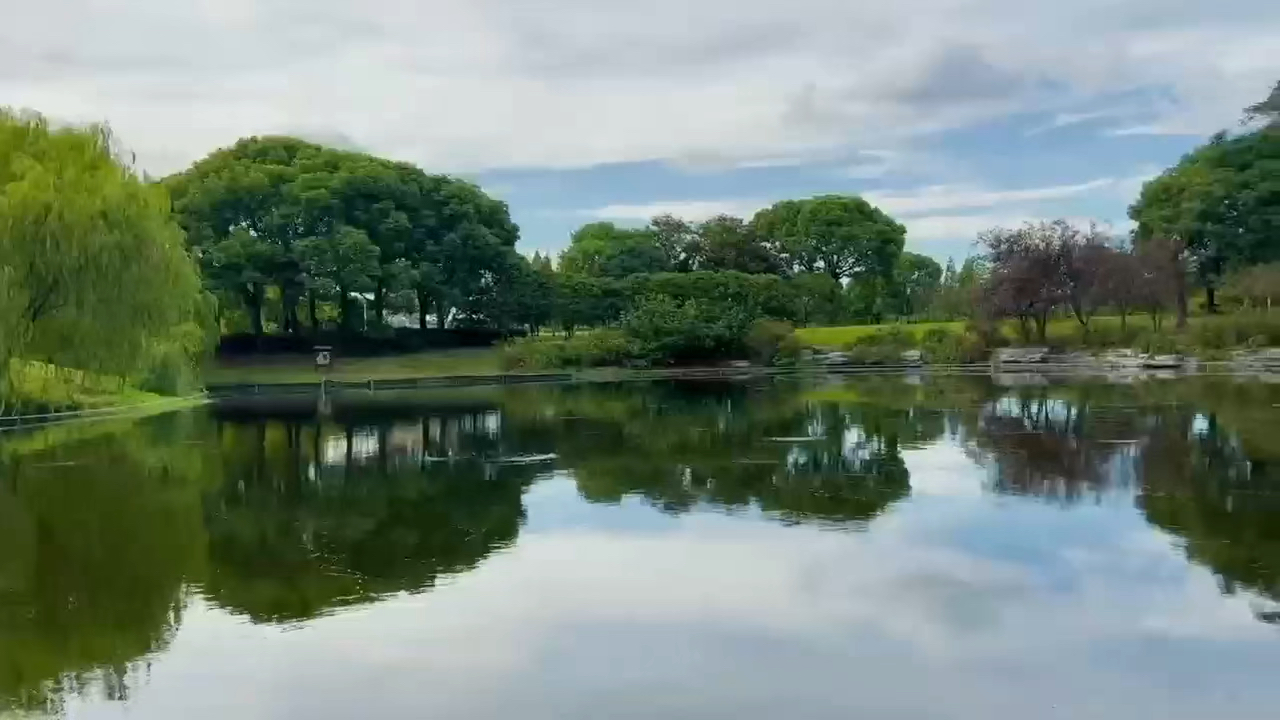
column 951, row 115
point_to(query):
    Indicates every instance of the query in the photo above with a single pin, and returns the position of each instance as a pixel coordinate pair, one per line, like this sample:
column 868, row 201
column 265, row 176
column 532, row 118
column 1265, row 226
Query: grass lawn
column 1061, row 331
column 301, row 368
column 838, row 336
column 38, row 387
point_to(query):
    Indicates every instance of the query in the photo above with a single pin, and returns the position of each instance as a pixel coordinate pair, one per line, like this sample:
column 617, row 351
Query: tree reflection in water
column 107, row 530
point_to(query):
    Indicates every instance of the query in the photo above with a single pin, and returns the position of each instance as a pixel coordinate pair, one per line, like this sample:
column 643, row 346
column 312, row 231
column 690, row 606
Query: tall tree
column 841, row 235
column 93, row 270
column 917, row 280
column 1026, row 279
column 603, row 249
column 1218, row 208
column 678, row 239
column 728, row 243
column 435, row 235
column 345, row 260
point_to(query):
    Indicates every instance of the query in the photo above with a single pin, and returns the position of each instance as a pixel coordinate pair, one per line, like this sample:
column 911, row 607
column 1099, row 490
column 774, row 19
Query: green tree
column 582, row 301
column 1217, row 210
column 817, row 298
column 342, row 262
column 728, row 243
column 1267, row 109
column 917, row 280
column 603, row 249
column 436, row 236
column 678, row 239
column 843, row 236
column 1259, row 286
column 93, row 269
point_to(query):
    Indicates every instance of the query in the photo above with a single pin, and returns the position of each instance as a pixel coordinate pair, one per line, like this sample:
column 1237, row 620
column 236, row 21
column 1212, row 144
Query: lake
column 877, row 547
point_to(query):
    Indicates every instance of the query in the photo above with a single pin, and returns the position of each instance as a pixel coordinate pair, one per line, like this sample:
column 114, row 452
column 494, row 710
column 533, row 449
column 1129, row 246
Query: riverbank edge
column 1050, row 365
column 108, row 412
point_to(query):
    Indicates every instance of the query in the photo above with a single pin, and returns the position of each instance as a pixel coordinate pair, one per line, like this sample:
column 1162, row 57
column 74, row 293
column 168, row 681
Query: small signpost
column 324, row 361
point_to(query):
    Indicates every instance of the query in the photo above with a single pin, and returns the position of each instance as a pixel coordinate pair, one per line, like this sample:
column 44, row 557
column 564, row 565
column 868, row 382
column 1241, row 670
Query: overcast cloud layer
column 888, row 96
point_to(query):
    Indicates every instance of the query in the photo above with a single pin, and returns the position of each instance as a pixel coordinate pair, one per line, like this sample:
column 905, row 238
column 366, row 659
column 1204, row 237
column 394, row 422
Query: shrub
column 1253, row 328
column 987, row 332
column 669, row 330
column 595, row 349
column 948, row 348
column 770, row 341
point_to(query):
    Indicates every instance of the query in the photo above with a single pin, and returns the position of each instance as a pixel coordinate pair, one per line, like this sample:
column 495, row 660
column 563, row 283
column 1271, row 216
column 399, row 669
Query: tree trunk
column 442, row 313
column 1210, row 298
column 311, row 310
column 254, row 299
column 422, row 310
column 1124, row 319
column 1023, row 330
column 290, row 301
column 344, row 309
column 379, row 302
column 1182, row 301
column 1042, row 327
column 1180, row 286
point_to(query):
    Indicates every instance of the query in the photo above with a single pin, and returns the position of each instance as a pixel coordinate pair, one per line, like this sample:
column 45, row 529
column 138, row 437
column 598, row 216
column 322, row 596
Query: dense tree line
column 294, row 237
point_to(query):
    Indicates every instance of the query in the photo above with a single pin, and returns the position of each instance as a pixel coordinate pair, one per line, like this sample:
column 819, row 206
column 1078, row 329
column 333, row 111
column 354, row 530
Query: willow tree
column 93, row 271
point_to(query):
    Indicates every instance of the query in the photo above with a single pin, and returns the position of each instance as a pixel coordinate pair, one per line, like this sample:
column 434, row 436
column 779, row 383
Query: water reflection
column 109, row 533
column 97, row 539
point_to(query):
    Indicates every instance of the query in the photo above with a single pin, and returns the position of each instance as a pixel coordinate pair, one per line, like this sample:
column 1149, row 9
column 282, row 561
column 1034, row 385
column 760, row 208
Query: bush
column 1220, row 332
column 595, row 349
column 891, row 337
column 986, row 332
column 668, row 330
column 882, row 347
column 948, row 348
column 772, row 341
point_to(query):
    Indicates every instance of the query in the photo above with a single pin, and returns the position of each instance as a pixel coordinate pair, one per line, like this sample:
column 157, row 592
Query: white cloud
column 464, row 85
column 952, row 197
column 936, row 228
column 691, row 210
column 931, row 213
column 1062, row 120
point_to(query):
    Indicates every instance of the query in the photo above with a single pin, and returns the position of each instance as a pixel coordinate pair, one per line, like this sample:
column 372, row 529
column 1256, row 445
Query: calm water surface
column 886, row 547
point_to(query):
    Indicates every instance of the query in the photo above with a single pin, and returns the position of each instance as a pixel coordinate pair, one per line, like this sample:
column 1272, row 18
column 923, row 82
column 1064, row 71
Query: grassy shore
column 840, row 336
column 37, row 387
column 301, row 368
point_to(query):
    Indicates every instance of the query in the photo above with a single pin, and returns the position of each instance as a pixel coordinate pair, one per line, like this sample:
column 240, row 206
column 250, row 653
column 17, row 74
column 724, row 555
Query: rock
column 1266, row 361
column 1122, row 359
column 1010, row 356
column 1163, row 361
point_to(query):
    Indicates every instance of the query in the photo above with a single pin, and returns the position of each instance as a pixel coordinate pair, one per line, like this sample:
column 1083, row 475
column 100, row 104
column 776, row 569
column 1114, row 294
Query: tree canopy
column 843, row 236
column 93, row 269
column 1220, row 204
column 264, row 211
